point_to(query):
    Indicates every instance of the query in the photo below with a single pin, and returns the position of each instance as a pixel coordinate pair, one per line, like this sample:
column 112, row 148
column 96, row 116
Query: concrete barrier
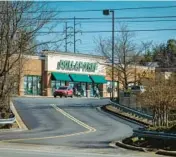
column 153, row 134
column 132, row 111
column 126, row 146
column 167, row 153
column 143, row 124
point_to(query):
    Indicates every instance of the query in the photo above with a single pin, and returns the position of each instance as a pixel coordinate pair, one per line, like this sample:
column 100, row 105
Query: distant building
column 164, row 73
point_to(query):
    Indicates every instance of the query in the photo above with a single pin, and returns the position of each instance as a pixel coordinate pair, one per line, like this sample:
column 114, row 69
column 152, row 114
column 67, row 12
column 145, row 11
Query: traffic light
column 105, row 12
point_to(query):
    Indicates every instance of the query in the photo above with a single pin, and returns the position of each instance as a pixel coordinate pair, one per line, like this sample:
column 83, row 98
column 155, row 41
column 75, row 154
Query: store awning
column 80, row 78
column 98, row 79
column 60, row 76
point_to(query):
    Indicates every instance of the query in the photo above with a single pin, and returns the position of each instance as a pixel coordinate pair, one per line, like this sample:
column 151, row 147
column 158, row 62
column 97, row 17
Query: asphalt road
column 43, row 151
column 48, row 151
column 71, row 123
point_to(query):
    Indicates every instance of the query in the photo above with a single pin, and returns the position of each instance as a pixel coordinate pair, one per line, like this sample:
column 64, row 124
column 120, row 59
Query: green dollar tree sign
column 89, row 66
column 58, row 65
column 84, row 67
column 76, row 66
column 94, row 67
column 71, row 65
column 66, row 67
column 81, row 65
column 61, row 64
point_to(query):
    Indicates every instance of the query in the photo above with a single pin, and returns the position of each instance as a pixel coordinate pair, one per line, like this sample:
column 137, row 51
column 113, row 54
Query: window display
column 32, row 85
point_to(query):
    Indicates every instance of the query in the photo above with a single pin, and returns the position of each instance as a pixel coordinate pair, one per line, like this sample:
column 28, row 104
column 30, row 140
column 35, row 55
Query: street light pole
column 107, row 12
column 112, row 54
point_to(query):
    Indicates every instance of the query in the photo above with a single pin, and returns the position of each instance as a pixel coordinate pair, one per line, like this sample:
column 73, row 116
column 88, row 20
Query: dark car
column 65, row 91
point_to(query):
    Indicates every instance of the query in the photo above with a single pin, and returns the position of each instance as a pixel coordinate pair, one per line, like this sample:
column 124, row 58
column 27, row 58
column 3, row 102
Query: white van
column 137, row 88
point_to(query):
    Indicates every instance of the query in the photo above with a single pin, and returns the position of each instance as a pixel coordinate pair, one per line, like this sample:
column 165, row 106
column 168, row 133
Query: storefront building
column 42, row 75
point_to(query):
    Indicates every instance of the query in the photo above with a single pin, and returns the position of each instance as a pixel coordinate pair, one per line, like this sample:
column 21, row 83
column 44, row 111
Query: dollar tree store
column 43, row 74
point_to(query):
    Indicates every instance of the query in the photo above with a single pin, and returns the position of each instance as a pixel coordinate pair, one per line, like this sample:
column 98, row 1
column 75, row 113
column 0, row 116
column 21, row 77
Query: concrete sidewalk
column 38, row 96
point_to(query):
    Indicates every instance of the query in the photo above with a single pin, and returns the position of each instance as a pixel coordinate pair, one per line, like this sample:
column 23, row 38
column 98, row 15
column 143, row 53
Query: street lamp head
column 106, row 12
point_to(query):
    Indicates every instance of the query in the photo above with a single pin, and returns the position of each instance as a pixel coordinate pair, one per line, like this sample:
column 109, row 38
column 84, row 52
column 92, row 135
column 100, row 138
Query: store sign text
column 76, row 66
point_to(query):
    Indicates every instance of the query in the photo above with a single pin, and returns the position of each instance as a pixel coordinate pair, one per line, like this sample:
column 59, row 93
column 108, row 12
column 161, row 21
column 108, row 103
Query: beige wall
column 31, row 65
column 141, row 72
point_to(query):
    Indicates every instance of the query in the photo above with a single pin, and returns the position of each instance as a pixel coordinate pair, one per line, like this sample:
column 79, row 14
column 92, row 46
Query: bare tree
column 160, row 98
column 20, row 23
column 126, row 54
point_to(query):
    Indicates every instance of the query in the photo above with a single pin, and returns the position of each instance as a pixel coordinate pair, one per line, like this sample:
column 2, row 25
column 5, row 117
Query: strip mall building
column 41, row 75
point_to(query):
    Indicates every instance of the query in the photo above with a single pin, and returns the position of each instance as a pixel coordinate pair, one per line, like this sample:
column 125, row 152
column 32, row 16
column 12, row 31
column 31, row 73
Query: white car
column 138, row 89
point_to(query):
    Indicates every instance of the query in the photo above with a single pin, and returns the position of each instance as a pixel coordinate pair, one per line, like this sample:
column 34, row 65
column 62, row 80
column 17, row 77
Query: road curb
column 126, row 146
column 167, row 153
column 19, row 121
column 35, row 96
column 10, row 130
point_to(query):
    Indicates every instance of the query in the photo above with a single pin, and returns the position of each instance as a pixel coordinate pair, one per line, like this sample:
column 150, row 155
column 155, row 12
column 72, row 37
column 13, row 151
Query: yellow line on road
column 90, row 129
column 19, row 121
column 74, row 119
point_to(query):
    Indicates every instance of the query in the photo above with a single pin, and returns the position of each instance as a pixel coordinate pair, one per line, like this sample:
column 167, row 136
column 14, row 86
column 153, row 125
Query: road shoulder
column 19, row 121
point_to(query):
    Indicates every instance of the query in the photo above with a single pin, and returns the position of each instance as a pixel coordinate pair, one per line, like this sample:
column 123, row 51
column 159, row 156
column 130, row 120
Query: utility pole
column 74, row 40
column 135, row 71
column 65, row 36
column 118, row 85
column 74, row 34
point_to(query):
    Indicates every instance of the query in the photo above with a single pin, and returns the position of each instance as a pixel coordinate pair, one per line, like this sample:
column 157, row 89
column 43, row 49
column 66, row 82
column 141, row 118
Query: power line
column 143, row 21
column 102, row 18
column 136, row 8
column 96, row 31
column 92, row 10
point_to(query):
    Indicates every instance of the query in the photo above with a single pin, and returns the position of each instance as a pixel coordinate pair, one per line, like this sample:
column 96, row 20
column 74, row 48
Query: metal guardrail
column 129, row 110
column 8, row 121
column 153, row 134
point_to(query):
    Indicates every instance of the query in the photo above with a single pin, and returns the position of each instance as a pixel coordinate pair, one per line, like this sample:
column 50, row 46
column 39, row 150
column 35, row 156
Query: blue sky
column 88, row 45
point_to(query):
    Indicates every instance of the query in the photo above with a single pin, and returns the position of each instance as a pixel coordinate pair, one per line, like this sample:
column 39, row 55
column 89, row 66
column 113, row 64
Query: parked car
column 65, row 91
column 137, row 89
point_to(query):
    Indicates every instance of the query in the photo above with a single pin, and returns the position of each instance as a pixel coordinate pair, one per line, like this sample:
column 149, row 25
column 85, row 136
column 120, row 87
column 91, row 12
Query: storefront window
column 94, row 90
column 25, row 85
column 32, row 85
column 79, row 88
column 109, row 86
column 71, row 84
column 91, row 90
column 83, row 89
